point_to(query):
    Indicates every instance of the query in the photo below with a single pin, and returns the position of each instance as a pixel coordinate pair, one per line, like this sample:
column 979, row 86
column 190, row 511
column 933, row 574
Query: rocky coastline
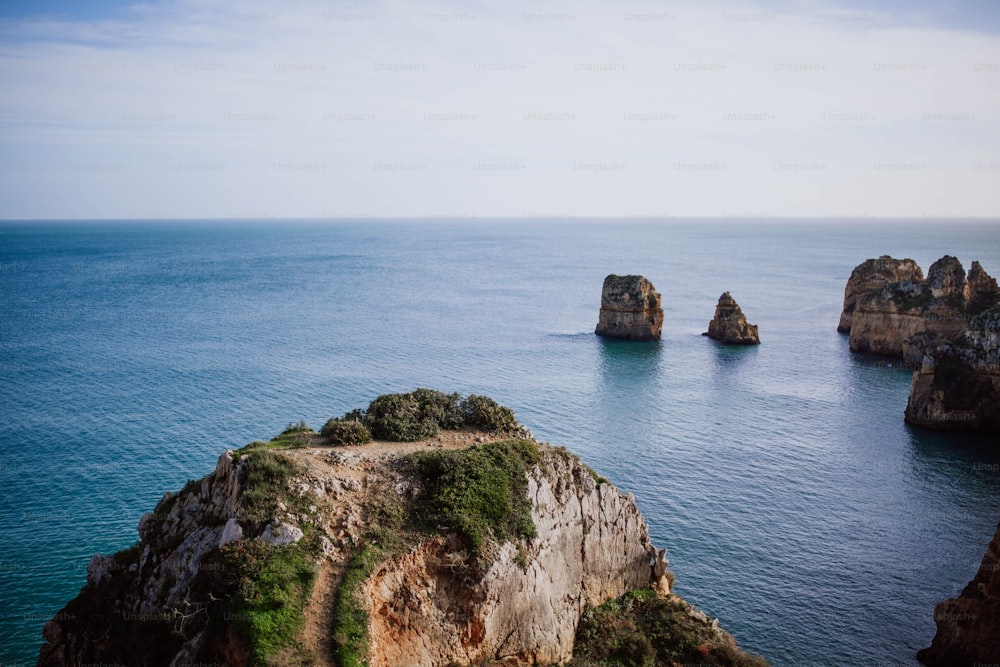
column 968, row 627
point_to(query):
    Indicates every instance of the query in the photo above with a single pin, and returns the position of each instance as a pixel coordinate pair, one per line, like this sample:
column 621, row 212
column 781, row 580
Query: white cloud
column 196, row 109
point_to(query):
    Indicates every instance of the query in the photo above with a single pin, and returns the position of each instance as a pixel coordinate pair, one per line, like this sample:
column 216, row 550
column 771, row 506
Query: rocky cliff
column 968, row 627
column 469, row 545
column 870, row 277
column 957, row 386
column 730, row 325
column 906, row 318
column 631, row 308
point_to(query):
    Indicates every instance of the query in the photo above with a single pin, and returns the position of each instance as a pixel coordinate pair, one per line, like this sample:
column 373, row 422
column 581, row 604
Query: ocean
column 796, row 505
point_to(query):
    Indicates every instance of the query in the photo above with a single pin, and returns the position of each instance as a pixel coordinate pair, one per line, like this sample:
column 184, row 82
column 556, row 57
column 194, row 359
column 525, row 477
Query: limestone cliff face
column 968, row 627
column 871, row 276
column 151, row 582
column 730, row 325
column 908, row 318
column 592, row 545
column 958, row 384
column 631, row 308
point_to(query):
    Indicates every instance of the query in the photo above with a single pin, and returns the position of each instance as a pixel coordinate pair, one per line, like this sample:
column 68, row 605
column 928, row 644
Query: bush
column 301, row 427
column 415, row 416
column 295, row 436
column 345, row 432
column 485, row 413
column 420, row 415
column 445, row 409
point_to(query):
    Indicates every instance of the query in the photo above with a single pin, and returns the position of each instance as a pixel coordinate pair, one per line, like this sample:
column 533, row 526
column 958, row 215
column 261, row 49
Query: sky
column 303, row 108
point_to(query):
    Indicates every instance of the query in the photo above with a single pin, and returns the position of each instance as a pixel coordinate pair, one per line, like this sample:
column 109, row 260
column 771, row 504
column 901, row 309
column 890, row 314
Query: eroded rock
column 909, row 318
column 957, row 386
column 730, row 325
column 871, row 276
column 631, row 309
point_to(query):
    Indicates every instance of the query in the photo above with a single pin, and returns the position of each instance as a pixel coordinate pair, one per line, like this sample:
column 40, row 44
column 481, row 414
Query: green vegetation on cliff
column 257, row 593
column 641, row 629
column 421, row 414
column 345, row 432
column 478, row 493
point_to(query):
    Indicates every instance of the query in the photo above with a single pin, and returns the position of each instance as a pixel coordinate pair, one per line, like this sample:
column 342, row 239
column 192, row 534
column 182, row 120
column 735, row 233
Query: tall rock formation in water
column 631, row 309
column 906, row 318
column 730, row 325
column 870, row 277
column 968, row 627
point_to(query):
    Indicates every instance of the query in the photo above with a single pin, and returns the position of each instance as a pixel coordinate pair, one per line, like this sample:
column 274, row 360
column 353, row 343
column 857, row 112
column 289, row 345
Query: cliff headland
column 451, row 537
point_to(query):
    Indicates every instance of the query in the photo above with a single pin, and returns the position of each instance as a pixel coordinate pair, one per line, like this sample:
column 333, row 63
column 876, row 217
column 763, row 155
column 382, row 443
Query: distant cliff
column 906, row 318
column 631, row 309
column 470, row 543
column 945, row 325
column 968, row 627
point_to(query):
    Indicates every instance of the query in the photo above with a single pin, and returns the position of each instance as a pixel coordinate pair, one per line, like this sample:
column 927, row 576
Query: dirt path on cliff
column 340, row 518
column 317, row 632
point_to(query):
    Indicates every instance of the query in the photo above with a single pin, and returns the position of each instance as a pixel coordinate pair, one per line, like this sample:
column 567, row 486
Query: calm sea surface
column 795, row 503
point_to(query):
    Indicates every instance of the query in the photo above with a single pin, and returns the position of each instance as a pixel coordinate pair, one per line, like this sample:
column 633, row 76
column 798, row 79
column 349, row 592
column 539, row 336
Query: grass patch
column 295, row 436
column 266, row 474
column 478, row 493
column 259, row 592
column 641, row 629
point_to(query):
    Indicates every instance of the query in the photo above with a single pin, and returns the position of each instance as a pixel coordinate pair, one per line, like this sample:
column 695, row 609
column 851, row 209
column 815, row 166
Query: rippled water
column 795, row 503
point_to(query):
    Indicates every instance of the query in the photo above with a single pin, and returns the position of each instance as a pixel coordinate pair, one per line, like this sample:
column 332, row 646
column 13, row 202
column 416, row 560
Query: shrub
column 345, row 432
column 295, row 436
column 301, row 427
column 409, row 417
column 485, row 413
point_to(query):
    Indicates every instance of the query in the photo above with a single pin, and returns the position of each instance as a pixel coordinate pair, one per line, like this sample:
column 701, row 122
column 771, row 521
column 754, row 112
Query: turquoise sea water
column 795, row 503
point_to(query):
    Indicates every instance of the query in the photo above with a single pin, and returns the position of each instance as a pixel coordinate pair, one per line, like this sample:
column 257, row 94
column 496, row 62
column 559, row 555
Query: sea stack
column 631, row 309
column 968, row 627
column 871, row 276
column 910, row 318
column 729, row 326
